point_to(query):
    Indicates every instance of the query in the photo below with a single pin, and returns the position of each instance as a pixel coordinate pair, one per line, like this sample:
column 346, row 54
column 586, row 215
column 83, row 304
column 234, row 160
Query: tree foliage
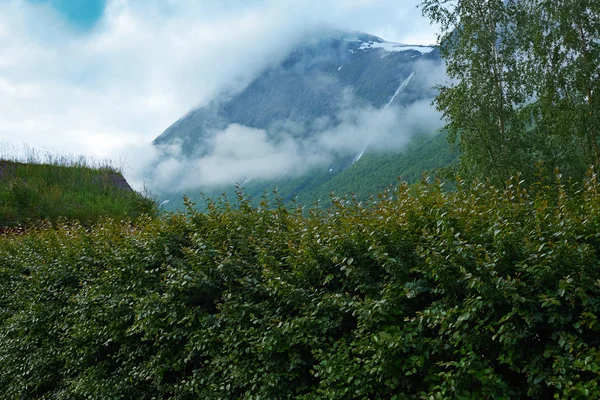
column 524, row 80
column 424, row 293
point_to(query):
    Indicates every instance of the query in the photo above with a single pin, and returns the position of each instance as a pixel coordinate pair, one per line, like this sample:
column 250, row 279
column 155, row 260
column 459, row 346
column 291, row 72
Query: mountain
column 324, row 85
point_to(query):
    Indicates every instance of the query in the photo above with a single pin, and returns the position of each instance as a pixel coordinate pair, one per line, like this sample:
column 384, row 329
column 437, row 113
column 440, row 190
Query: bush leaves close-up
column 420, row 293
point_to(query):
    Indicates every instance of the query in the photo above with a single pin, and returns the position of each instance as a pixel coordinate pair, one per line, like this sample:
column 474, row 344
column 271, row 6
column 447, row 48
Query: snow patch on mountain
column 394, row 47
column 358, row 157
column 402, row 86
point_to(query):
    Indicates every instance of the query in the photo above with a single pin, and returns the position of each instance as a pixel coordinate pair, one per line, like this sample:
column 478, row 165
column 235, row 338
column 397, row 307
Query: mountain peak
column 332, row 80
column 360, row 41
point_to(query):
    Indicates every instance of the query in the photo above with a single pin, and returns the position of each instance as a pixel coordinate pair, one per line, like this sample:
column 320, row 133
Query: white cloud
column 240, row 153
column 8, row 88
column 148, row 62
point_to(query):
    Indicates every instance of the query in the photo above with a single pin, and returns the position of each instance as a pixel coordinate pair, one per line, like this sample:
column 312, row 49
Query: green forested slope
column 374, row 172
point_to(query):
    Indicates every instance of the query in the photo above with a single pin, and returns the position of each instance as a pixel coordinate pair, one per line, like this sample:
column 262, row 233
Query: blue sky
column 81, row 14
column 105, row 77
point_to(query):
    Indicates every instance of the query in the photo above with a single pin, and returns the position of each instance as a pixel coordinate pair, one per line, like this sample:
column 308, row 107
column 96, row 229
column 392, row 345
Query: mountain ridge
column 318, row 56
column 334, row 97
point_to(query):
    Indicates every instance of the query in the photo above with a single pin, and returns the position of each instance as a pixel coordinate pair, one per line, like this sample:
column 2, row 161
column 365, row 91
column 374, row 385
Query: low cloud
column 240, row 154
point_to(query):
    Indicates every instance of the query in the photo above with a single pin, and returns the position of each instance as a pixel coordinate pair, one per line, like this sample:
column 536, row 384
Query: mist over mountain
column 337, row 95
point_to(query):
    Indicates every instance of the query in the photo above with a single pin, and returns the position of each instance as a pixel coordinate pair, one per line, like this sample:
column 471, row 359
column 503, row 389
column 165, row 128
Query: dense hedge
column 423, row 293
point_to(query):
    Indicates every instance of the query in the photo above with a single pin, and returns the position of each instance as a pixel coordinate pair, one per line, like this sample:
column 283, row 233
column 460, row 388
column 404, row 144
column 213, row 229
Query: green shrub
column 423, row 294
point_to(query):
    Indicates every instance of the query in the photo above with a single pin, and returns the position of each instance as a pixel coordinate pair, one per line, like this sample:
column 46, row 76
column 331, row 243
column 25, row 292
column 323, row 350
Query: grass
column 46, row 186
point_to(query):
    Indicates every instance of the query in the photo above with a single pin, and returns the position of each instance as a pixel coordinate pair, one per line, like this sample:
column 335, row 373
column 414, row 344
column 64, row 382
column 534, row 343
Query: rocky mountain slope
column 322, row 86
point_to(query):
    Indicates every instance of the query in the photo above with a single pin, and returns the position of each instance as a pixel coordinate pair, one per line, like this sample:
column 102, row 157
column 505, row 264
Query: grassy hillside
column 476, row 293
column 34, row 191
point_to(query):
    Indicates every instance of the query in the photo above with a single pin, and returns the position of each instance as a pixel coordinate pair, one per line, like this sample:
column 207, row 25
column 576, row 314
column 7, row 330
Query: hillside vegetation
column 373, row 173
column 477, row 293
column 34, row 191
column 377, row 170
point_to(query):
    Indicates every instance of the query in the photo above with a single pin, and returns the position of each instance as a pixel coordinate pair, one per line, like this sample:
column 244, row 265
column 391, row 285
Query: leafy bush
column 421, row 294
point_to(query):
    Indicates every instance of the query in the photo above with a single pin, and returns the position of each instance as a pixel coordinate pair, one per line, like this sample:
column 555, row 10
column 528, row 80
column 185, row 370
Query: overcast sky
column 97, row 77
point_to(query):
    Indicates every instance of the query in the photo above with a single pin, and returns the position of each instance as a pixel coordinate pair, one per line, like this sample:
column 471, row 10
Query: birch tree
column 523, row 83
